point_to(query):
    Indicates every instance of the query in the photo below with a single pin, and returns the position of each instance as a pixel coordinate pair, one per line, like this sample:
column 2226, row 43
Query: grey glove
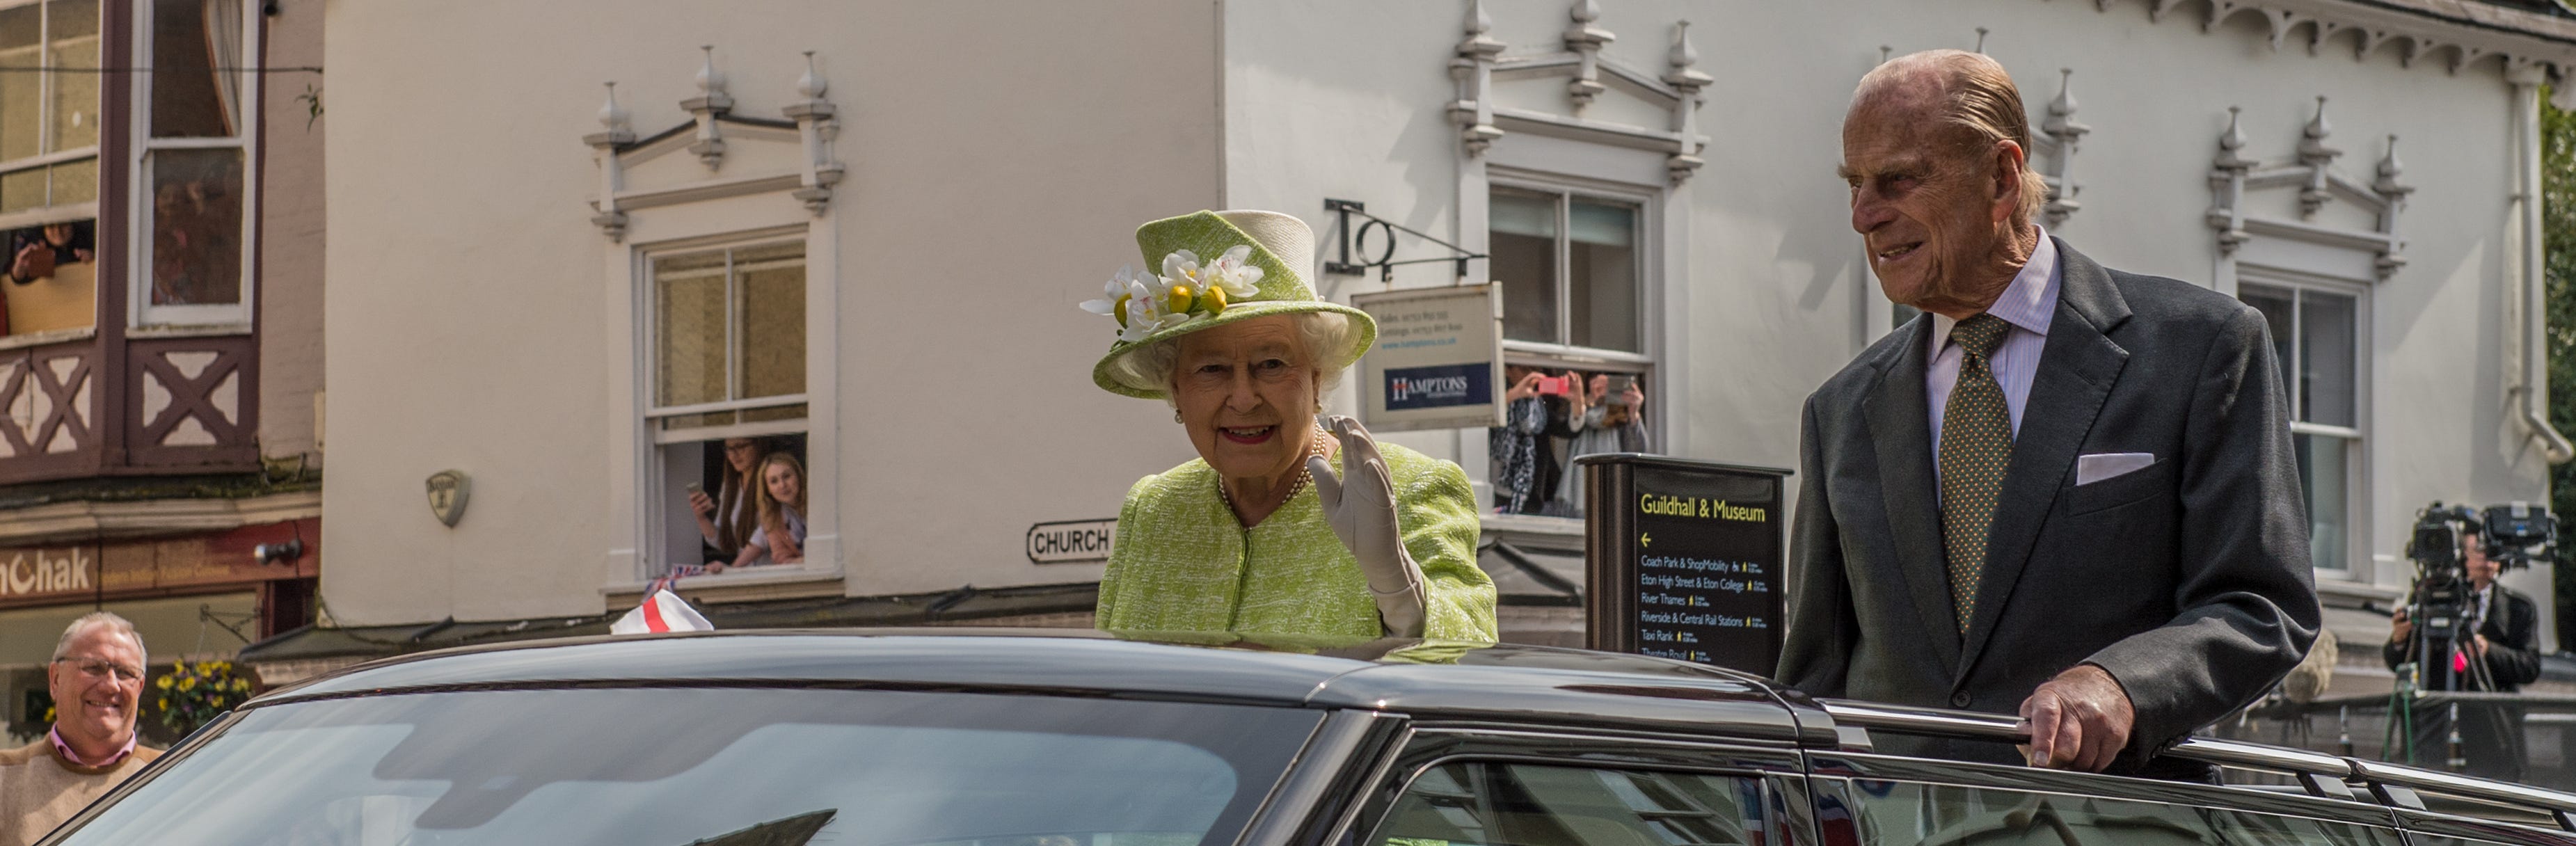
column 1360, row 505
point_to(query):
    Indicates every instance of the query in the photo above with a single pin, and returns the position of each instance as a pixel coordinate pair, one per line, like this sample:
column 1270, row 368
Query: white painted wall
column 1001, row 152
column 1000, row 156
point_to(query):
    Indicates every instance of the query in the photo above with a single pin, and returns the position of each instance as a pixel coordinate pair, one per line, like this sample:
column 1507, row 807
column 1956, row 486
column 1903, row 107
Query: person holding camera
column 1537, row 407
column 2500, row 655
column 1610, row 420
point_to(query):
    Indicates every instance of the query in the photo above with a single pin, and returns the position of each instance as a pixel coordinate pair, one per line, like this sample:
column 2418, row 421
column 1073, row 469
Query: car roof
column 1427, row 679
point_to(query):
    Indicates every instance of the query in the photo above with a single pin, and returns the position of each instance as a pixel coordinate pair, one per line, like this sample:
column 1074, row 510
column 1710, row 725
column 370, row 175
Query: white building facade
column 869, row 257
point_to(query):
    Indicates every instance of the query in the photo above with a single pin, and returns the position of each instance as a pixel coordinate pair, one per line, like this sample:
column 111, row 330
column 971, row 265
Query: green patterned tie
column 1976, row 447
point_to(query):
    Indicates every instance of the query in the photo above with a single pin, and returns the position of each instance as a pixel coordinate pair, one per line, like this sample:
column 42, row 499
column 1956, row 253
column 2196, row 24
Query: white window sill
column 749, row 583
column 38, row 339
column 199, row 331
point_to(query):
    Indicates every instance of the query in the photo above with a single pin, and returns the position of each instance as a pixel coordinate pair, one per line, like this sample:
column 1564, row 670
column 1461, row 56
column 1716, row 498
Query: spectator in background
column 96, row 678
column 779, row 535
column 1525, row 467
column 727, row 519
column 1607, row 423
column 36, row 252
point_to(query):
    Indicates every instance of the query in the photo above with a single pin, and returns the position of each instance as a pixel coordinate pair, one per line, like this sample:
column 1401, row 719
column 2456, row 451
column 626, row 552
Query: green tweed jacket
column 1184, row 563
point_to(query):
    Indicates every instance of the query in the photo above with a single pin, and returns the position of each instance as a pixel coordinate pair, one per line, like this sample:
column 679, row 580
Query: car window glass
column 1908, row 814
column 779, row 767
column 1512, row 804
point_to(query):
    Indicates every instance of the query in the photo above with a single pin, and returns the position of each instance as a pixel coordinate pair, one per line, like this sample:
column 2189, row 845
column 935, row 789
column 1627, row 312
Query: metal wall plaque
column 1072, row 541
column 448, row 490
column 1438, row 362
column 1685, row 559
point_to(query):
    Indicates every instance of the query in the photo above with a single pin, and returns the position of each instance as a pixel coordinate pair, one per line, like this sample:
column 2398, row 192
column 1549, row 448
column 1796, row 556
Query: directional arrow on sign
column 1647, row 539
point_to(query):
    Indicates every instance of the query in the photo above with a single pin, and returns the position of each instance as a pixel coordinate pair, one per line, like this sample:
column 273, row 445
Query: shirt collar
column 64, row 748
column 2028, row 303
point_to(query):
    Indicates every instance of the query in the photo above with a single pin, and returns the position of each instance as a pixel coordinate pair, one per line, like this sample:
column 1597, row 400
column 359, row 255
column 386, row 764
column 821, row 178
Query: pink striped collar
column 64, row 749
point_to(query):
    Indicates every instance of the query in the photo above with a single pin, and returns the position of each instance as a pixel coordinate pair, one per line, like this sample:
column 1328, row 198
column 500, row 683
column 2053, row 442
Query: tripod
column 2454, row 639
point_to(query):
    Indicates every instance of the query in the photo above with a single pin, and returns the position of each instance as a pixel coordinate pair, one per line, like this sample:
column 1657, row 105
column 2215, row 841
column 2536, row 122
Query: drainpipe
column 2535, row 359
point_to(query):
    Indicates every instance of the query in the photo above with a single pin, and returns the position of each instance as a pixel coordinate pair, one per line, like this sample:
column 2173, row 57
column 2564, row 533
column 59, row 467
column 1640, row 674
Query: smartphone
column 1553, row 385
column 1619, row 386
column 696, row 488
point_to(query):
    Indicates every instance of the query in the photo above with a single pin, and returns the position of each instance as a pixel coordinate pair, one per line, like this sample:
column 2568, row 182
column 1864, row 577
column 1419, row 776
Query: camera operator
column 2504, row 640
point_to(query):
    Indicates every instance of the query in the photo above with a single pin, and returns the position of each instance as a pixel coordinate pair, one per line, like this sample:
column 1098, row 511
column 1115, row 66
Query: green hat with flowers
column 1216, row 268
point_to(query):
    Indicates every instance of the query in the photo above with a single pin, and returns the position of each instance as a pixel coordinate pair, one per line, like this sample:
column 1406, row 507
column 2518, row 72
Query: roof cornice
column 2455, row 33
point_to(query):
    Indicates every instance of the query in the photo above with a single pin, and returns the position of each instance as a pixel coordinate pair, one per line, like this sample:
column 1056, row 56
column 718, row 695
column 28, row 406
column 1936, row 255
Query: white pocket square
column 2105, row 465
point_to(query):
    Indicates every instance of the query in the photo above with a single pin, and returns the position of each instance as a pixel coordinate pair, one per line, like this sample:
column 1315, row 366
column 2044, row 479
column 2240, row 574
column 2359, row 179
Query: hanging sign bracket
column 1356, row 240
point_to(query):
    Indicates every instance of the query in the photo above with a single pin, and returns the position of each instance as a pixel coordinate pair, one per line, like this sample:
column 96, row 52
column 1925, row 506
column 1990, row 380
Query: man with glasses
column 96, row 678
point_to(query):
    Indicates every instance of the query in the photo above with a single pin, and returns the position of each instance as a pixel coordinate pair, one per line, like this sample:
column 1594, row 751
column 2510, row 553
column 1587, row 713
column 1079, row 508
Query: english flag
column 662, row 611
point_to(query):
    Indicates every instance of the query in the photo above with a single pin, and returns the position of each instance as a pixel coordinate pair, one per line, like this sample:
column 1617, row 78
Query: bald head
column 1934, row 149
column 1968, row 95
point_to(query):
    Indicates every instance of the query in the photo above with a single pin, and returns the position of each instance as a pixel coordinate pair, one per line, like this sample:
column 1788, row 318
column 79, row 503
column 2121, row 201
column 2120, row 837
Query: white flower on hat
column 1146, row 316
column 1127, row 286
column 1234, row 274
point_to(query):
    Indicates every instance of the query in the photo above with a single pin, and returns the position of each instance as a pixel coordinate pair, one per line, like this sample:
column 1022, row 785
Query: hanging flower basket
column 196, row 692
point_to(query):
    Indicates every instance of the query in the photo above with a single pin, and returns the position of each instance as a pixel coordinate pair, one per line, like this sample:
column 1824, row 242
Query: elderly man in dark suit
column 2064, row 491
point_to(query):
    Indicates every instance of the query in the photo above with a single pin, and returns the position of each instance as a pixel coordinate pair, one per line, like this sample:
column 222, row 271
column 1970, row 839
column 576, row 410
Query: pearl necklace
column 1305, row 474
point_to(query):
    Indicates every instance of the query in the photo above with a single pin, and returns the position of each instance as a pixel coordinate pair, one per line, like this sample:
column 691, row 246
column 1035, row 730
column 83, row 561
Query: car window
column 1909, row 814
column 1481, row 803
column 644, row 767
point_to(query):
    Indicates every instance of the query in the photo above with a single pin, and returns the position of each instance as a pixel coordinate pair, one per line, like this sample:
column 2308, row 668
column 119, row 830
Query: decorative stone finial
column 612, row 115
column 1682, row 75
column 812, row 84
column 2312, row 144
column 2389, row 169
column 1586, row 11
column 710, row 81
column 1480, row 40
column 1585, row 41
column 2230, row 142
column 1478, row 23
column 2061, row 111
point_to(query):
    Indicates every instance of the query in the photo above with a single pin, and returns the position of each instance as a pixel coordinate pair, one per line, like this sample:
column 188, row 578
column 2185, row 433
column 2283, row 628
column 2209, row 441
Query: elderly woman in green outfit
column 1259, row 534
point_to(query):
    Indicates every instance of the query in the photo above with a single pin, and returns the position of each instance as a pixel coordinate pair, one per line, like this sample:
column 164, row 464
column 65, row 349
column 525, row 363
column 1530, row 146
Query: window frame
column 52, row 212
column 141, row 314
column 640, row 491
column 2358, row 507
column 1650, row 261
column 653, row 412
column 1435, row 744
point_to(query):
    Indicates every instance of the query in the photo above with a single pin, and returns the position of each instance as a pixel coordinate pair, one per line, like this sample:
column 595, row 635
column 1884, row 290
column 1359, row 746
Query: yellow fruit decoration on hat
column 1178, row 301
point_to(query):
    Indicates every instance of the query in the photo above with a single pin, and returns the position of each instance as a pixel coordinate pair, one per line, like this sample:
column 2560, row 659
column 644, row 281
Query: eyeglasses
column 98, row 669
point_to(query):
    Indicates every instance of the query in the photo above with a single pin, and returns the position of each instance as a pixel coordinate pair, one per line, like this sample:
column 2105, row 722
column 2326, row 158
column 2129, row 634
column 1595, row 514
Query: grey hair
column 1150, row 367
column 1979, row 103
column 95, row 619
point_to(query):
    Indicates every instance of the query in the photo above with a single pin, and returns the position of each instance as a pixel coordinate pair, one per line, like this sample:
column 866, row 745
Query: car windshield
column 716, row 767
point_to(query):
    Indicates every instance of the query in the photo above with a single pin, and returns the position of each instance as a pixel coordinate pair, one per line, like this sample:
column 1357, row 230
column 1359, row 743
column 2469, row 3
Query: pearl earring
column 1176, row 415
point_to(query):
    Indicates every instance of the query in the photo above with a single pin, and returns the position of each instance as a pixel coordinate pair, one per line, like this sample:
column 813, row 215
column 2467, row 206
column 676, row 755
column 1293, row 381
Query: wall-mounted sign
column 1438, row 363
column 1071, row 541
column 27, row 573
column 447, row 492
column 1684, row 559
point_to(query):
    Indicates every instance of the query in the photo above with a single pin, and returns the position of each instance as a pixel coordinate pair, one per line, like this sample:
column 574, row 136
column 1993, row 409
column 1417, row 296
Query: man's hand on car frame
column 2079, row 720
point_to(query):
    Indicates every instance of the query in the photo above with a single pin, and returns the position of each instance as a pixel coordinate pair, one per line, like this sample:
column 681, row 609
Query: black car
column 1028, row 738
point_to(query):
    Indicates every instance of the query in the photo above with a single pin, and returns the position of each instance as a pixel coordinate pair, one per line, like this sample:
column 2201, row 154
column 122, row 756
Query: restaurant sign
column 27, row 573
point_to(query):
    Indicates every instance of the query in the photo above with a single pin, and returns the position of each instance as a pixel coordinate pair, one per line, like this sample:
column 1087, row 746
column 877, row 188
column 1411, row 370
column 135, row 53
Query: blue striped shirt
column 2027, row 304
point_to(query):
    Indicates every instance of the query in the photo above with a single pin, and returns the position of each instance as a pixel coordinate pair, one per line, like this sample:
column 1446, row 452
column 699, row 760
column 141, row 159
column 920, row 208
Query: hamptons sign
column 1438, row 361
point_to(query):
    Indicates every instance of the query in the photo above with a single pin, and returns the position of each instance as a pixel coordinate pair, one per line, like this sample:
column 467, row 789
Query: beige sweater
column 39, row 790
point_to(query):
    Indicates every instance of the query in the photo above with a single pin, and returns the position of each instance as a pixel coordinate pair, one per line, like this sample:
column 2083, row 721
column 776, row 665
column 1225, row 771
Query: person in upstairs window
column 36, row 252
column 1259, row 535
column 727, row 518
column 1525, row 466
column 1607, row 423
column 779, row 536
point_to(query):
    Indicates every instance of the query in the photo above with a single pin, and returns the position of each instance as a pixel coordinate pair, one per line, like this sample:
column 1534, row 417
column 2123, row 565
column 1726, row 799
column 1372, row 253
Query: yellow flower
column 162, row 682
column 165, row 705
column 241, row 684
column 189, row 683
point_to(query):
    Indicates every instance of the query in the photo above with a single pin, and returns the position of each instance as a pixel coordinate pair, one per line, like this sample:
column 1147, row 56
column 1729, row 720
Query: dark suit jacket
column 2512, row 628
column 2189, row 580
